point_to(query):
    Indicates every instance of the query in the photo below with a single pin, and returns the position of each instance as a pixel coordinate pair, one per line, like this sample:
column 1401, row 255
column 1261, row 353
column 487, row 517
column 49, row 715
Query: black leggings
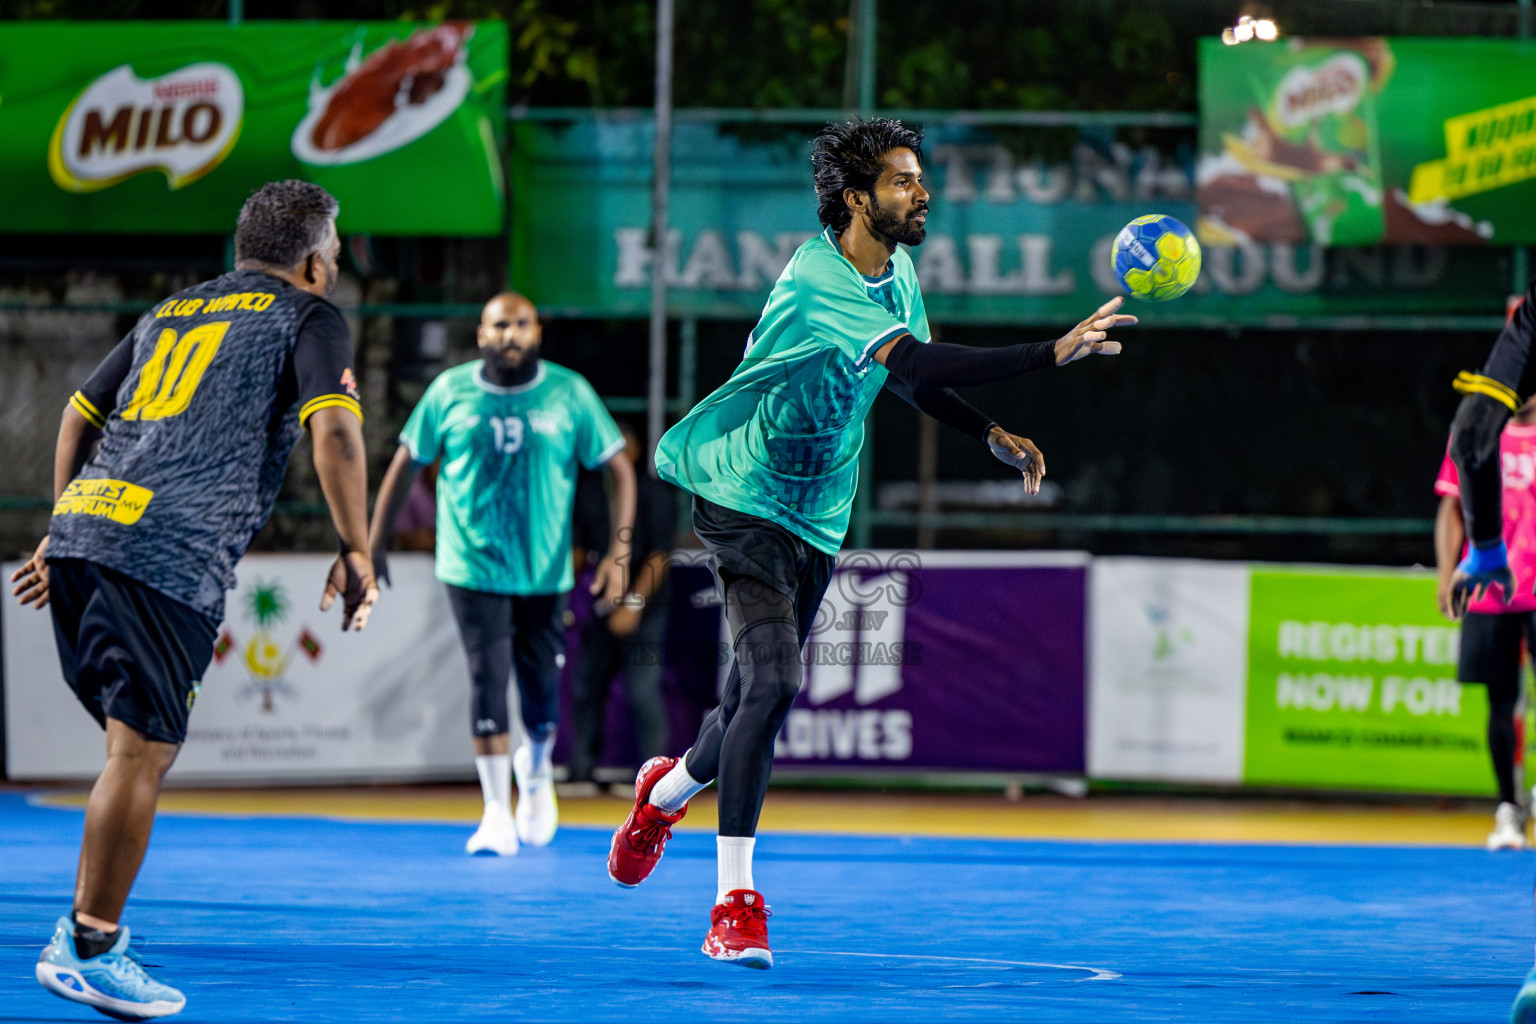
column 1490, row 654
column 773, row 583
column 502, row 632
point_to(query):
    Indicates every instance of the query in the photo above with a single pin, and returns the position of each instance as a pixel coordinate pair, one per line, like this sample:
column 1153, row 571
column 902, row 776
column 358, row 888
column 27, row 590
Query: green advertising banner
column 1359, row 141
column 1012, row 238
column 166, row 127
column 1352, row 684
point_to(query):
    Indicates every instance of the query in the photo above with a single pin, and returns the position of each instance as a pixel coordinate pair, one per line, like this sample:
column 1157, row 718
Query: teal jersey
column 780, row 439
column 508, row 473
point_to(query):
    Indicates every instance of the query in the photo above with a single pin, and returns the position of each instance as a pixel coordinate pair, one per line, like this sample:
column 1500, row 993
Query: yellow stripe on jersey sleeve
column 1477, row 384
column 84, row 407
column 328, row 402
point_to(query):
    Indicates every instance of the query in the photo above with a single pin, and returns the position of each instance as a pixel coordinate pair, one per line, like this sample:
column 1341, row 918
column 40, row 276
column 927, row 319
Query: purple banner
column 914, row 666
column 910, row 666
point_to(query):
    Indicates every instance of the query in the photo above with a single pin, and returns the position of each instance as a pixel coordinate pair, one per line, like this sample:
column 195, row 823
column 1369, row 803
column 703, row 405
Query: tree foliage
column 980, row 54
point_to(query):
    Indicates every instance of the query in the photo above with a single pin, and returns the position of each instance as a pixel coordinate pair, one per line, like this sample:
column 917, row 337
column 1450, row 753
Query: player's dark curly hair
column 283, row 222
column 850, row 155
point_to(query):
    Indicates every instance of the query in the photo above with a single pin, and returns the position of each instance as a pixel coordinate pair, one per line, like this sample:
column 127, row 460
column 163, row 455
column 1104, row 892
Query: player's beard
column 520, row 372
column 894, row 226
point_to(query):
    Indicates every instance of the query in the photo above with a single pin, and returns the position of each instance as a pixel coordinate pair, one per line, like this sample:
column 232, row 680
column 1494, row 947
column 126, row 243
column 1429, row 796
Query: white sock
column 495, row 772
column 541, row 753
column 675, row 788
column 734, row 860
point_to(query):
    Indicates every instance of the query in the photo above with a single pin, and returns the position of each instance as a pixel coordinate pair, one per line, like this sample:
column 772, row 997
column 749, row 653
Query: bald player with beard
column 510, row 431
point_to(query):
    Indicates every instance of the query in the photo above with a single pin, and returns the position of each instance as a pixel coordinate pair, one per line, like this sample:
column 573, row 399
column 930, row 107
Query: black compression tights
column 1501, row 747
column 735, row 744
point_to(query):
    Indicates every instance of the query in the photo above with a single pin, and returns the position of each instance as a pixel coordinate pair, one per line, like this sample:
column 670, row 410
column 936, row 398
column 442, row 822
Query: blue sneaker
column 115, row 983
column 1524, row 1010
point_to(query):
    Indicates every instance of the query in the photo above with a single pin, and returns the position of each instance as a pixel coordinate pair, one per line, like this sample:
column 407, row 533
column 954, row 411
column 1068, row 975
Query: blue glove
column 1484, row 567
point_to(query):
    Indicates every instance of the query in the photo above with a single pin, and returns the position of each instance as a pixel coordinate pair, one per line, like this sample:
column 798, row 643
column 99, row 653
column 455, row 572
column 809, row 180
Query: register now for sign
column 1414, row 694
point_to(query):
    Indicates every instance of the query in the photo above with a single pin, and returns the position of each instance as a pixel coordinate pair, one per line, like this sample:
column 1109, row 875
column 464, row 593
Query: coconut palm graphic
column 267, row 660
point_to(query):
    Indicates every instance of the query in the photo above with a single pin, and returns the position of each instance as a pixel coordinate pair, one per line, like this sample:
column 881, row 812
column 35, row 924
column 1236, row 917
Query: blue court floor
column 288, row 919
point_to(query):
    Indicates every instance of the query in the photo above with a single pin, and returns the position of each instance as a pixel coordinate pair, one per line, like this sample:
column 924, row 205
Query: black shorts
column 128, row 651
column 1490, row 652
column 743, row 545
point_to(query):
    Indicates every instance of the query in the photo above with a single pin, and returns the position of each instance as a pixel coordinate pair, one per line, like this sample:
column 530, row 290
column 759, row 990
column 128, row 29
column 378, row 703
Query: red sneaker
column 738, row 930
column 639, row 842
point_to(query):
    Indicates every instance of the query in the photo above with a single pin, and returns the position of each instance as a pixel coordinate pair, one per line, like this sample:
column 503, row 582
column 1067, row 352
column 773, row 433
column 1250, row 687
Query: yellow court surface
column 1097, row 817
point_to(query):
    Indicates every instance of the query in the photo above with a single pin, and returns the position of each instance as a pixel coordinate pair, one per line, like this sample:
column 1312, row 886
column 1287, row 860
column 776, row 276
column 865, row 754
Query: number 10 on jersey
column 509, row 433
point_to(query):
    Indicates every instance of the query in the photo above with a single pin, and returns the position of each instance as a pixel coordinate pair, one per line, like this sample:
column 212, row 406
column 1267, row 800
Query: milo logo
column 182, row 124
column 1333, row 87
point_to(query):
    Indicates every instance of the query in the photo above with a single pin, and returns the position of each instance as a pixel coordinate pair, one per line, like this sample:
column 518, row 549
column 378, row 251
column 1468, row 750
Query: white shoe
column 1508, row 828
column 538, row 814
column 496, row 835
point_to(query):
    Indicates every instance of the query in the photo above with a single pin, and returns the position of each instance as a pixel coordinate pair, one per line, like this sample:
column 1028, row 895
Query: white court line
column 1099, row 973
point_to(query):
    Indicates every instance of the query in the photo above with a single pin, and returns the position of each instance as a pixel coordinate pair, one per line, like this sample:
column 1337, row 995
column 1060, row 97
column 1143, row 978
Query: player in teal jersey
column 771, row 458
column 509, row 431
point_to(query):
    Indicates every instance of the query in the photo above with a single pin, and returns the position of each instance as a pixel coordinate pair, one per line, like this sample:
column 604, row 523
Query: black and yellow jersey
column 200, row 407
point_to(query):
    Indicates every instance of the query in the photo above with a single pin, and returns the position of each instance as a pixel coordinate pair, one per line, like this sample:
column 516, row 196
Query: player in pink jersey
column 1496, row 623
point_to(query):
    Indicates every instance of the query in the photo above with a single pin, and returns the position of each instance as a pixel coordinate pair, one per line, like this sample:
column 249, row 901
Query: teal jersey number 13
column 510, row 456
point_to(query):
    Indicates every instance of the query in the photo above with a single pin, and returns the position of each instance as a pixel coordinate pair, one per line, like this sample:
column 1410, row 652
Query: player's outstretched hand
column 1481, row 569
column 1021, row 454
column 1090, row 337
column 351, row 579
column 32, row 579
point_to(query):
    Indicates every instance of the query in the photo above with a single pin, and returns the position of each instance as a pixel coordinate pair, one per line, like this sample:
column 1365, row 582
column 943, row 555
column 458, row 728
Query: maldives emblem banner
column 166, row 127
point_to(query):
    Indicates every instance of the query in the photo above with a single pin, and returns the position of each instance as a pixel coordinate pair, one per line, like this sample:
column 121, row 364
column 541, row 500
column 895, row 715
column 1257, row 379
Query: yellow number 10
column 173, row 372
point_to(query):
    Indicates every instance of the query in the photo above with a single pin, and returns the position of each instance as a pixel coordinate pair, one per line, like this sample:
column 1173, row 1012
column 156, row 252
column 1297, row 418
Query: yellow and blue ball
column 1156, row 258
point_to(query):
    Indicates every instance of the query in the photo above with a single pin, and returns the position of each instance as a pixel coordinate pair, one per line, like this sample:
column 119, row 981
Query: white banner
column 289, row 695
column 1168, row 669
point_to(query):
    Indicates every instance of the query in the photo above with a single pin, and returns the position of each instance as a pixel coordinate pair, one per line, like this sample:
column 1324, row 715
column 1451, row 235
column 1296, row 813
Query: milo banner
column 1018, row 233
column 166, row 127
column 1360, row 141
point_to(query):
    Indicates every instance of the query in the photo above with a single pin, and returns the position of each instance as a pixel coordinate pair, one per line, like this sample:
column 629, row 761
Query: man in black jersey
column 196, row 412
column 1493, row 394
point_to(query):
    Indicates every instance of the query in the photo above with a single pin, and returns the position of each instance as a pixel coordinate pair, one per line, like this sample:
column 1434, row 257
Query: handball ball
column 1156, row 258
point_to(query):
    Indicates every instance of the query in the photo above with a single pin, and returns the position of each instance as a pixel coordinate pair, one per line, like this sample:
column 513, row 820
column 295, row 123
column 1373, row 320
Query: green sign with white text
column 1352, row 684
column 166, row 127
column 1012, row 238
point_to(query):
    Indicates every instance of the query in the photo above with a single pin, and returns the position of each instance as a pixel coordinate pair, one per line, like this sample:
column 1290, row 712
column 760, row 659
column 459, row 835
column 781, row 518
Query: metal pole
column 660, row 260
column 868, row 17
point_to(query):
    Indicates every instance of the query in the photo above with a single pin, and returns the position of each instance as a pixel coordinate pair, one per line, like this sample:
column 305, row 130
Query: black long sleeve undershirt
column 1492, row 396
column 927, row 366
column 944, row 405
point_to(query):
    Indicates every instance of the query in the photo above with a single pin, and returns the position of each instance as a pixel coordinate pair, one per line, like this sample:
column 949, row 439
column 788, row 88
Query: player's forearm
column 934, row 365
column 948, row 408
column 76, row 435
column 1449, row 536
column 1475, row 449
column 393, row 491
column 621, row 506
column 342, row 466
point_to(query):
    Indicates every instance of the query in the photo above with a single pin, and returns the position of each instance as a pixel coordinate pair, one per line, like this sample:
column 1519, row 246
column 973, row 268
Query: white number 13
column 509, row 433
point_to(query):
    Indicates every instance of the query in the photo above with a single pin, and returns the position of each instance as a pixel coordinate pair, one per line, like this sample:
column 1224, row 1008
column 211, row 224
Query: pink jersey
column 1517, row 464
